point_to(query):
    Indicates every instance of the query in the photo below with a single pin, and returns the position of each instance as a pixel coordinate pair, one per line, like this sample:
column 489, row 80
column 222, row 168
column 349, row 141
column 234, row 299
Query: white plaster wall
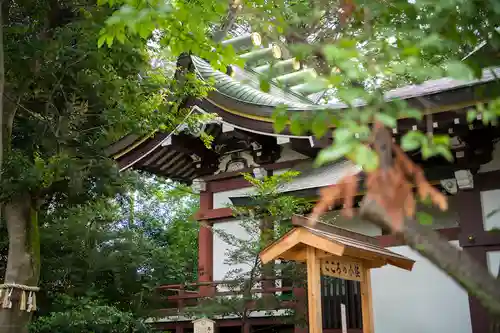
column 232, row 226
column 220, row 247
column 288, row 154
column 423, row 300
column 493, row 261
column 448, row 219
column 490, row 202
column 222, row 199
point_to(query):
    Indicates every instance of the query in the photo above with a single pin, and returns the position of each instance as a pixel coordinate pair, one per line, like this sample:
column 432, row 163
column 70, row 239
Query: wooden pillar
column 205, row 246
column 179, row 328
column 366, row 302
column 314, row 291
column 246, row 328
column 472, row 240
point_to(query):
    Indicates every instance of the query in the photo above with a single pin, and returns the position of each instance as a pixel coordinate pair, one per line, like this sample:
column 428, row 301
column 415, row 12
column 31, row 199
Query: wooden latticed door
column 334, row 292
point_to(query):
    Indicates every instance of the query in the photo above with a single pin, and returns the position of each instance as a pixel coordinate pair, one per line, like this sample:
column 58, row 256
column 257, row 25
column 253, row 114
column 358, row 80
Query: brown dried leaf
column 410, row 204
column 438, row 198
column 350, row 190
column 328, row 196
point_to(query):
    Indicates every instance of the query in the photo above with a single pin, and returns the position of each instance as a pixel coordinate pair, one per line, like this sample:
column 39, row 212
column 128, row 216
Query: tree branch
column 456, row 263
column 226, row 25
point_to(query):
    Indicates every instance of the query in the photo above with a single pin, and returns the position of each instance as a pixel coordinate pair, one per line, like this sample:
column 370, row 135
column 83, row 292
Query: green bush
column 85, row 315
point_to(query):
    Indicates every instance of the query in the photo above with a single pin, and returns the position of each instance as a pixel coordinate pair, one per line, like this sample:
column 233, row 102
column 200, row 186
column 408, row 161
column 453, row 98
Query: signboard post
column 203, row 325
column 343, row 318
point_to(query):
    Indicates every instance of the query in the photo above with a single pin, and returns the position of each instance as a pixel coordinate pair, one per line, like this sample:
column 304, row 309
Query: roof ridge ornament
column 271, row 52
column 244, row 42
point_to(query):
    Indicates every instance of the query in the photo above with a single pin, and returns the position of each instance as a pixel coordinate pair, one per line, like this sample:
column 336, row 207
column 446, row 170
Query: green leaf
column 114, row 20
column 144, row 30
column 411, row 51
column 332, row 153
column 296, row 126
column 264, row 85
column 411, row 141
column 347, row 43
column 426, row 150
column 445, row 152
column 459, row 71
column 366, row 158
column 101, row 40
column 424, row 218
column 120, row 36
column 280, row 118
column 386, row 119
column 341, row 135
column 441, row 139
column 471, row 115
column 109, row 40
column 412, row 113
column 320, row 124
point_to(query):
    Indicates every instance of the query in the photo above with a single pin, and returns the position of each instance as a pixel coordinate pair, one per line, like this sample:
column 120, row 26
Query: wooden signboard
column 342, row 268
column 343, row 256
column 203, row 325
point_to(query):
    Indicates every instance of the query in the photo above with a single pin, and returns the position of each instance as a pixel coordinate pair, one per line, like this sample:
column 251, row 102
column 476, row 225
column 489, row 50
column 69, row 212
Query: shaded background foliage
column 102, row 260
column 107, row 238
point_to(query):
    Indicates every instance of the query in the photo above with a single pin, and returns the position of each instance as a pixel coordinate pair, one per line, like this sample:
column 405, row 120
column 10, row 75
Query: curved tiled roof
column 242, row 92
column 239, row 91
column 240, row 103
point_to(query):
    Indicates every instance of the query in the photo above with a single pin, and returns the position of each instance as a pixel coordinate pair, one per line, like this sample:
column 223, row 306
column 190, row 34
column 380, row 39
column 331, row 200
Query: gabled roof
column 292, row 245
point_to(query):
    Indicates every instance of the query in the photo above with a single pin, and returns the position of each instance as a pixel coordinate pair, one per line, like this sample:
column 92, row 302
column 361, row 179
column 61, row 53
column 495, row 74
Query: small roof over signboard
column 203, row 320
column 332, row 241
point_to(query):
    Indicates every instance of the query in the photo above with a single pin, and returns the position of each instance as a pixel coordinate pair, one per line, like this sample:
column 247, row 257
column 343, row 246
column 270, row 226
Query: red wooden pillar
column 247, row 328
column 205, row 246
column 475, row 240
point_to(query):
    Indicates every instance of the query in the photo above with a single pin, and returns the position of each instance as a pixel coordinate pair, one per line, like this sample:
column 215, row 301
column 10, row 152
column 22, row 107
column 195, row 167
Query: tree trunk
column 23, row 263
column 2, row 84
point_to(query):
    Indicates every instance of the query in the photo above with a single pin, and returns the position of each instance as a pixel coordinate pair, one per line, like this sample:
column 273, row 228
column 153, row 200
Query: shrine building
column 421, row 300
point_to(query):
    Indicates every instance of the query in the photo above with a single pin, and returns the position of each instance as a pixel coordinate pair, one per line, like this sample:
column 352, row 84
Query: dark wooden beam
column 303, row 146
column 190, row 145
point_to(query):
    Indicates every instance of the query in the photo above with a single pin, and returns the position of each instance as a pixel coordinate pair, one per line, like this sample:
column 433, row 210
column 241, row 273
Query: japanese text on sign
column 341, row 268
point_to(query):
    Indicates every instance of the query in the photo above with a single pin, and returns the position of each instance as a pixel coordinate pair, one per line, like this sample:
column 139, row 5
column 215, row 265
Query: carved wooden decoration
column 347, row 269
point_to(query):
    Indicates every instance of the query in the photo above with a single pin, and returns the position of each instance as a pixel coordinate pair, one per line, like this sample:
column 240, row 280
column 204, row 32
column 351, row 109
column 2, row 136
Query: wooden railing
column 334, row 293
column 179, row 296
